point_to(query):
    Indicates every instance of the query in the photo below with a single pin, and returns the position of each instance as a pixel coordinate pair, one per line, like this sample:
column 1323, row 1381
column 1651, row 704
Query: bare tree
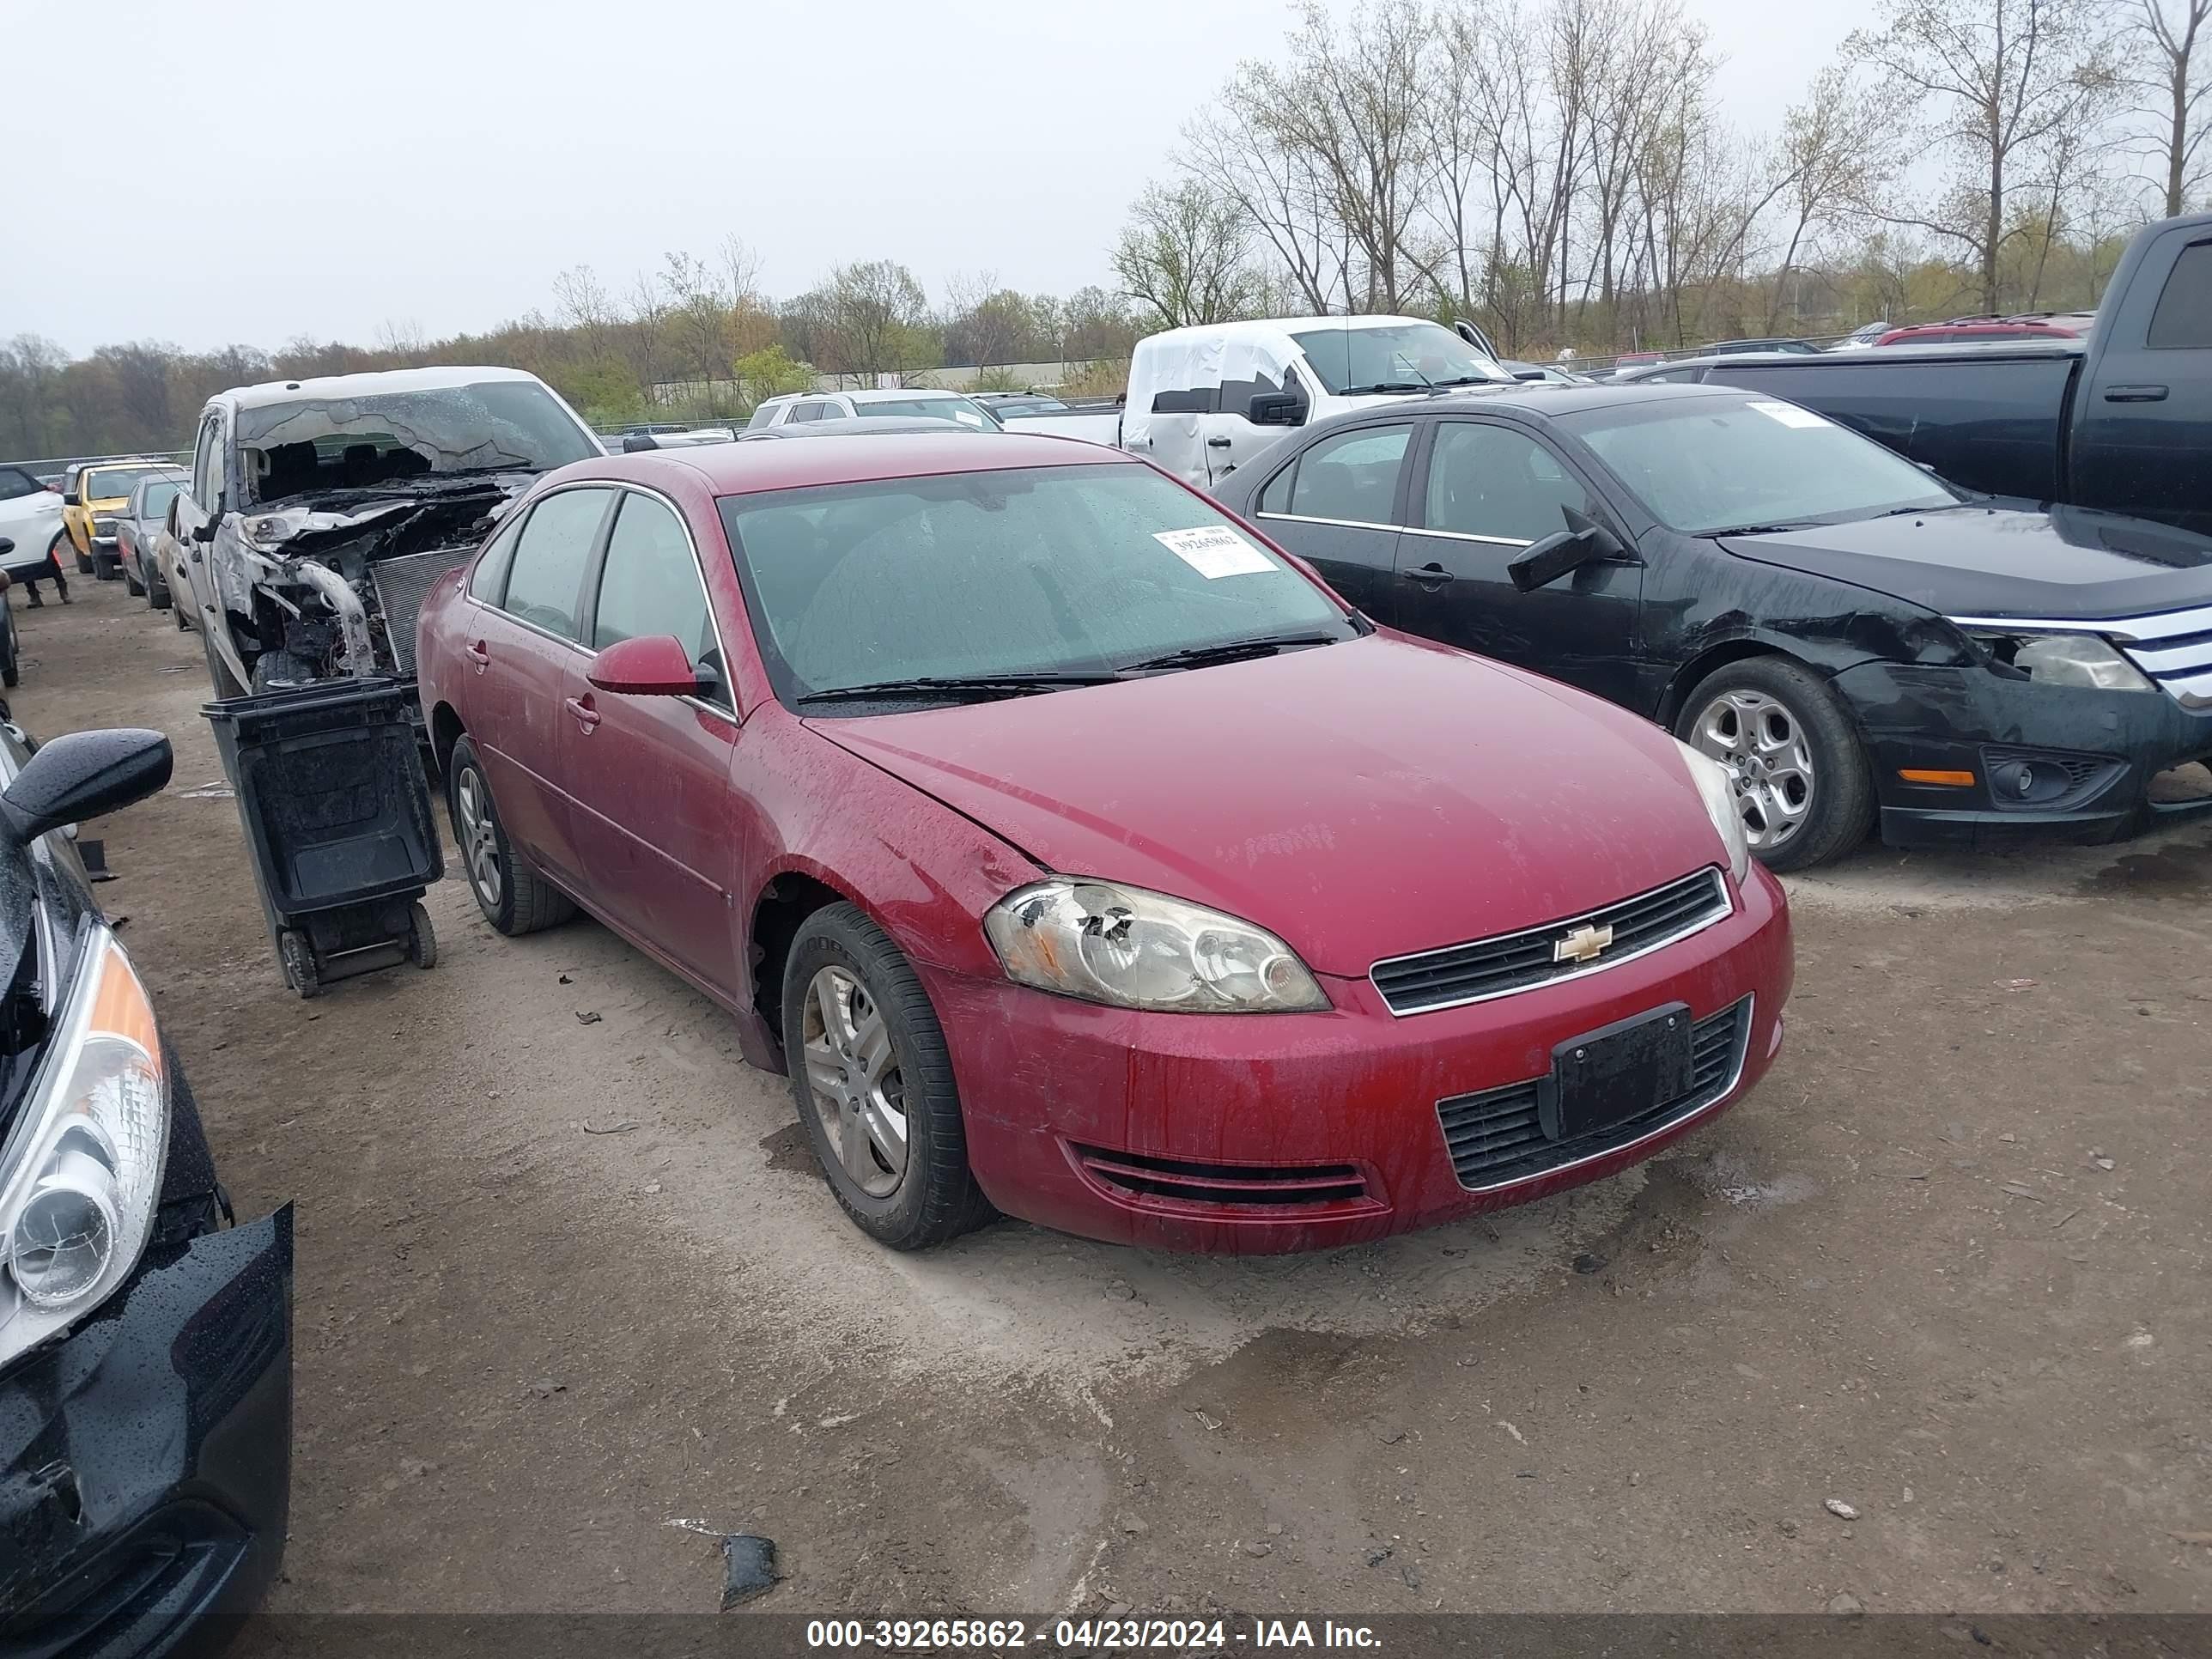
column 1833, row 157
column 1186, row 255
column 1997, row 82
column 585, row 306
column 2166, row 34
column 648, row 328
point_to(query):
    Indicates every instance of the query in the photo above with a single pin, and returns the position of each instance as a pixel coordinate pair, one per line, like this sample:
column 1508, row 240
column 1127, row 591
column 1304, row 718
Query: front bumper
column 1326, row 1125
column 2108, row 745
column 145, row 1460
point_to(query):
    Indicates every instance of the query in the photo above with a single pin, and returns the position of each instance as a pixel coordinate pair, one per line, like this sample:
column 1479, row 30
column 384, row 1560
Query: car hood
column 2004, row 561
column 1362, row 800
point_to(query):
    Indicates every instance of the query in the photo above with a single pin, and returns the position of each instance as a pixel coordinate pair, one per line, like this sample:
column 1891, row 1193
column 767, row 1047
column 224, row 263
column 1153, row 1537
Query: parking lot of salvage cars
column 571, row 1302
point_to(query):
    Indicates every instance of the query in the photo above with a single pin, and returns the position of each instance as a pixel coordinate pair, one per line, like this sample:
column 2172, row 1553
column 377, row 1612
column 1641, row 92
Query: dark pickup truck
column 2121, row 420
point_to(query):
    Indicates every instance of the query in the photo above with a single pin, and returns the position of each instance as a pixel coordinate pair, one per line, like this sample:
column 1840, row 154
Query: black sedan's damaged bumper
column 145, row 1460
column 2074, row 762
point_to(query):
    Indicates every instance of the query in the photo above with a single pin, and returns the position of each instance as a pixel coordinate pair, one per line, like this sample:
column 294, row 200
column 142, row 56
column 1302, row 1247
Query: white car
column 792, row 407
column 31, row 517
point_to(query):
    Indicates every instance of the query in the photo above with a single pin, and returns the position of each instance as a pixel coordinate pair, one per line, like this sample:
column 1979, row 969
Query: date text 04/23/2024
column 1091, row 1635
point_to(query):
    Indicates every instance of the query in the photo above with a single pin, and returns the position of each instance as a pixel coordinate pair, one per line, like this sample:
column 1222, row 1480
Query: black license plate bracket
column 1616, row 1072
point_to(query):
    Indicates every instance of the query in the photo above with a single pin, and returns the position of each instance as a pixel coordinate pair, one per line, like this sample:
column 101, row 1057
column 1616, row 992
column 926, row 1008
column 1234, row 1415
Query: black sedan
column 145, row 1344
column 1859, row 643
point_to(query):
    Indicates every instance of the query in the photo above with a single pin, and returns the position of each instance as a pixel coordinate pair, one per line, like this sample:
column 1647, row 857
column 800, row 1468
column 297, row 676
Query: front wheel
column 873, row 1080
column 132, row 585
column 83, row 562
column 1800, row 776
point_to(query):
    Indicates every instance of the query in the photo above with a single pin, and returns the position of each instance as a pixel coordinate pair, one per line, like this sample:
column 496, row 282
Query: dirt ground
column 572, row 1301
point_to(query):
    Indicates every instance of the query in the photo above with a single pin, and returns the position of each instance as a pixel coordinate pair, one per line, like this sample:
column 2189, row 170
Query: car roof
column 1548, row 399
column 375, row 383
column 856, row 426
column 880, row 393
column 742, row 469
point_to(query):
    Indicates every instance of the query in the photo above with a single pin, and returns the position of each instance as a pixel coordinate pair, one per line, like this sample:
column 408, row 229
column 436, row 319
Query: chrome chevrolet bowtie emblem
column 1582, row 945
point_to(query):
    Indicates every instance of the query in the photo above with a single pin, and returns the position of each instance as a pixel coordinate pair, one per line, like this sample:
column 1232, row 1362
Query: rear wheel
column 873, row 1080
column 299, row 957
column 422, row 938
column 1800, row 777
column 514, row 897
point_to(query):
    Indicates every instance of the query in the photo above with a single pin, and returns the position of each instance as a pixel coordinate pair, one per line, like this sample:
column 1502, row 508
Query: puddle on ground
column 2177, row 868
column 1730, row 1177
column 787, row 1149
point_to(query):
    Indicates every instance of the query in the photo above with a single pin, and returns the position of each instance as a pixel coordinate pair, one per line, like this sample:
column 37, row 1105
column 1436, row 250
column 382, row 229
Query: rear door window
column 1351, row 477
column 2183, row 317
column 15, row 482
column 546, row 580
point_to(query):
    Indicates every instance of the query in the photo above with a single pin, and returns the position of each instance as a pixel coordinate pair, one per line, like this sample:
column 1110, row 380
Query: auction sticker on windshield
column 1215, row 551
column 1789, row 415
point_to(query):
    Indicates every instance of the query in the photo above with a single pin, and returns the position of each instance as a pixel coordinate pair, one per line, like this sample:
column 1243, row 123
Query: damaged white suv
column 321, row 512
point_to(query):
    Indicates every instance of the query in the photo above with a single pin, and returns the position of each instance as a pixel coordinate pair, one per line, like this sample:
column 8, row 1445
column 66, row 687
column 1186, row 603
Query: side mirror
column 81, row 775
column 1548, row 560
column 1473, row 334
column 1276, row 409
column 637, row 441
column 71, row 498
column 204, row 530
column 652, row 666
column 1528, row 374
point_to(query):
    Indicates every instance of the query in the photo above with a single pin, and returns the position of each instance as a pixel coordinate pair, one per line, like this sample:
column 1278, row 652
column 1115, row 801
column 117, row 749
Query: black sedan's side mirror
column 1277, row 409
column 1556, row 555
column 81, row 775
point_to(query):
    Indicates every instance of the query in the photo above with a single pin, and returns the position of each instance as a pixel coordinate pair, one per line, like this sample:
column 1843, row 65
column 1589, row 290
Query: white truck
column 1204, row 400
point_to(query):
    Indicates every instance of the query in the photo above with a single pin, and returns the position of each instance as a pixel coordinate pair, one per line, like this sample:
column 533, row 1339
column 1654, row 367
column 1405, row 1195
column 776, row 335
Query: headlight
column 103, row 524
column 267, row 530
column 2067, row 659
column 82, row 1170
column 1717, row 789
column 1137, row 949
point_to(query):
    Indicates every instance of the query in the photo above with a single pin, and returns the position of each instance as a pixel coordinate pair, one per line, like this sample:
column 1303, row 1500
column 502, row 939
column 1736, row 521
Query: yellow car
column 93, row 498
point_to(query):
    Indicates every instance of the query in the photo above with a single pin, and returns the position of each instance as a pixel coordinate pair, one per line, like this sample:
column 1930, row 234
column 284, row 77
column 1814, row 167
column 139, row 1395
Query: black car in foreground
column 1858, row 642
column 145, row 1344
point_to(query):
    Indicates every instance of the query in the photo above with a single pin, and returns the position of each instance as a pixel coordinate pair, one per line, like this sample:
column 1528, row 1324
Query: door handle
column 586, row 716
column 475, row 652
column 1431, row 576
column 2135, row 394
column 1216, row 443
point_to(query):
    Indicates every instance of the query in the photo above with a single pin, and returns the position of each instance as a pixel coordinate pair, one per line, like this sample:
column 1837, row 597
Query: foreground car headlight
column 1717, row 790
column 1136, row 949
column 2067, row 659
column 267, row 530
column 82, row 1169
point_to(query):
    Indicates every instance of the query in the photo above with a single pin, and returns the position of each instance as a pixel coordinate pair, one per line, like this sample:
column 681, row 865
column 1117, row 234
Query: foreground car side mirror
column 1276, row 409
column 82, row 774
column 1555, row 555
column 652, row 666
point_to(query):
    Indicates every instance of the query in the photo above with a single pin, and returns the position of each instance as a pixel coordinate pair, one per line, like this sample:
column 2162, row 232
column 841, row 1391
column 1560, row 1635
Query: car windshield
column 1704, row 464
column 113, row 482
column 935, row 409
column 350, row 443
column 1403, row 357
column 1062, row 570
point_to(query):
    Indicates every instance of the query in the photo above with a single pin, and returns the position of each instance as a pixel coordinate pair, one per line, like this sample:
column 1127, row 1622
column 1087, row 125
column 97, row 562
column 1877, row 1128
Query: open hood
column 2005, row 560
column 1361, row 800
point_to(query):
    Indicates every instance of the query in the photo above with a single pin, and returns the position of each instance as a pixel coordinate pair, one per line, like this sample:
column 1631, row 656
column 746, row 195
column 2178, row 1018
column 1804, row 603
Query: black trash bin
column 338, row 815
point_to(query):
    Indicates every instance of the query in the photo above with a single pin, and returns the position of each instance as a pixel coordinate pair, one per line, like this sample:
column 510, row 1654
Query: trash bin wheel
column 421, row 941
column 299, row 964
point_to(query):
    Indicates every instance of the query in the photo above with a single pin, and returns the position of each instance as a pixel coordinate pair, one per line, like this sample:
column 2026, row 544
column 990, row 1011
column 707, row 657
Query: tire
column 514, row 897
column 106, row 567
column 1802, row 780
column 273, row 668
column 930, row 1196
column 132, row 585
column 422, row 938
column 299, row 964
column 157, row 589
column 83, row 562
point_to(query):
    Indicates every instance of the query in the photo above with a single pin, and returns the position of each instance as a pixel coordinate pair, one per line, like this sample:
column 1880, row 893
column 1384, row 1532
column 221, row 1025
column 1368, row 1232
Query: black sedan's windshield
column 1398, row 357
column 1708, row 465
column 1046, row 575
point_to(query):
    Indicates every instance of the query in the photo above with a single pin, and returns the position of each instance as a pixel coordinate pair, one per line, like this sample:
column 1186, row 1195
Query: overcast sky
column 251, row 170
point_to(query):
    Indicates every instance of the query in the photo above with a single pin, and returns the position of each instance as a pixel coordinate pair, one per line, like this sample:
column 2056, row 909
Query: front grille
column 1498, row 1136
column 2175, row 649
column 1241, row 1186
column 1515, row 962
column 402, row 586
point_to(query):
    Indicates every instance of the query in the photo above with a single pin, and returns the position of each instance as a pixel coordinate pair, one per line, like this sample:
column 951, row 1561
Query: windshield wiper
column 1471, row 380
column 1762, row 529
column 1900, row 512
column 940, row 687
column 1199, row 656
column 1384, row 385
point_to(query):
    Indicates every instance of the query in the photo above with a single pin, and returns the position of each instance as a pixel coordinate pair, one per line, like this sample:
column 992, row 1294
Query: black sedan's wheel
column 873, row 1080
column 1793, row 757
column 514, row 898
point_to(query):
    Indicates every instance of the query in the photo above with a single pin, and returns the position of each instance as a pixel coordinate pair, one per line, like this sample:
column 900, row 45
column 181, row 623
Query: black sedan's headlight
column 2083, row 659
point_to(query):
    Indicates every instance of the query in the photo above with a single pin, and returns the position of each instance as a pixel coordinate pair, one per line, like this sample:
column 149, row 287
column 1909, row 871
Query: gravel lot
column 1948, row 1265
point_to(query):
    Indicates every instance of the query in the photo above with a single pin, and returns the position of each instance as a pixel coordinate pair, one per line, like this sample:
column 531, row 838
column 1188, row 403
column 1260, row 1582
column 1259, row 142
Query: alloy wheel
column 479, row 839
column 1761, row 742
column 853, row 1079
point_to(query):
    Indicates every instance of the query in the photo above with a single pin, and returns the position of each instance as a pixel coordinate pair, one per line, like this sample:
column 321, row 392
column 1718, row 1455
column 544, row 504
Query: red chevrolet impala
column 1080, row 856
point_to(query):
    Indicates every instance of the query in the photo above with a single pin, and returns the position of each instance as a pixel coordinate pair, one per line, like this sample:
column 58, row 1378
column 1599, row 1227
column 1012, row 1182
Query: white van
column 1204, row 400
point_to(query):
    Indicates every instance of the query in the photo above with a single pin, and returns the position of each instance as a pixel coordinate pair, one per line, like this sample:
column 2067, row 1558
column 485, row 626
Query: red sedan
column 1080, row 856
